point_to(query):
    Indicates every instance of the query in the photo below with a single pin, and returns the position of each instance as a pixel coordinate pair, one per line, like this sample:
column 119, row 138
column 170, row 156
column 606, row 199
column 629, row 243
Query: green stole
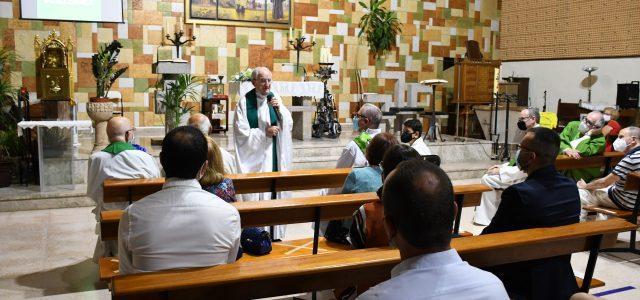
column 117, row 147
column 252, row 116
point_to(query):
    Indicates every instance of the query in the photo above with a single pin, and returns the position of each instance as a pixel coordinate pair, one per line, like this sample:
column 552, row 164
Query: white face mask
column 606, row 118
column 619, row 145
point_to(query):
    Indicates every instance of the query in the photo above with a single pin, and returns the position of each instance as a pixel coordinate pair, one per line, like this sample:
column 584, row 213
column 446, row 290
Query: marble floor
column 47, row 254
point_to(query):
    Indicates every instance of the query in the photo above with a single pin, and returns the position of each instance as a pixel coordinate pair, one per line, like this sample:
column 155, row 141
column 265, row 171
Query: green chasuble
column 252, row 117
column 588, row 147
column 117, row 147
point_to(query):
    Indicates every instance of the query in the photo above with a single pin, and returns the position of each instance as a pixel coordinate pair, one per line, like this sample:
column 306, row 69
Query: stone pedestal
column 302, row 114
column 100, row 113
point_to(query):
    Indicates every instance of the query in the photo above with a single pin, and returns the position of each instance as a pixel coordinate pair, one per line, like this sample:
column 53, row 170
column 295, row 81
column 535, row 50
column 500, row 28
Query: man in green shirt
column 582, row 139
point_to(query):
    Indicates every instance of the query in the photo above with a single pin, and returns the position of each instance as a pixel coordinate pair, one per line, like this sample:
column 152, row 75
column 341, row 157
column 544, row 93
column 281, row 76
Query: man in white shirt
column 368, row 120
column 412, row 135
column 201, row 122
column 418, row 218
column 119, row 160
column 181, row 226
column 500, row 177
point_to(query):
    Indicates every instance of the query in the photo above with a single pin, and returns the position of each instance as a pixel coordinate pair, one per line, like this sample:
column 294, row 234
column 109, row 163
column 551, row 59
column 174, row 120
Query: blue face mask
column 355, row 124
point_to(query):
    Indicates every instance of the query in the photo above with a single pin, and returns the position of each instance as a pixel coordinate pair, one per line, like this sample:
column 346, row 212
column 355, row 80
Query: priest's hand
column 272, row 131
column 573, row 153
column 274, row 102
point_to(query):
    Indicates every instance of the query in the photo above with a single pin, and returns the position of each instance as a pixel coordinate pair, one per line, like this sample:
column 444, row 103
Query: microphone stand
column 493, row 126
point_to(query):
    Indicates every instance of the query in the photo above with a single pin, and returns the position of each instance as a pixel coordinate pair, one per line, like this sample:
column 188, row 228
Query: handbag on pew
column 256, row 241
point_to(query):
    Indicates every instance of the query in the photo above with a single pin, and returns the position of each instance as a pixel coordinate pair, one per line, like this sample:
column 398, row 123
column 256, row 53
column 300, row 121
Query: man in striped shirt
column 609, row 191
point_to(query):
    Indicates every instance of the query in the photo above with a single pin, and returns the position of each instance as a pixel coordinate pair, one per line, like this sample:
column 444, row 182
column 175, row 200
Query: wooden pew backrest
column 324, row 271
column 120, row 190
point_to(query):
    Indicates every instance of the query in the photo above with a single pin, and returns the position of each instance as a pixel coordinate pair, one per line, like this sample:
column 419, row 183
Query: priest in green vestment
column 262, row 134
column 582, row 139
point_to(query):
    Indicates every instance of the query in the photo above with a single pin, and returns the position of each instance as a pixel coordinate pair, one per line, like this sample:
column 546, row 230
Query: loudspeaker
column 628, row 94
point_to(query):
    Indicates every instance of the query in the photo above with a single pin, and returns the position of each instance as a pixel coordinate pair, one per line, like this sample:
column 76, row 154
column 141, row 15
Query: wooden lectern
column 473, row 84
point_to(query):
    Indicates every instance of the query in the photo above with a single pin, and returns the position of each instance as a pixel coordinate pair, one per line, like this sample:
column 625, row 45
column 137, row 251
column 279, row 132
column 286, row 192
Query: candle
column 304, row 28
column 181, row 23
column 314, row 35
column 290, row 33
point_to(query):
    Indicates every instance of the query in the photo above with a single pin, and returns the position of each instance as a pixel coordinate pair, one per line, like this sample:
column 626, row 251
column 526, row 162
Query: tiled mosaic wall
column 431, row 30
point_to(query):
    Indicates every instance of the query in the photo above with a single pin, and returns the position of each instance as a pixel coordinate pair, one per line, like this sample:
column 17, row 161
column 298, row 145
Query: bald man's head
column 119, row 129
column 596, row 119
column 201, row 122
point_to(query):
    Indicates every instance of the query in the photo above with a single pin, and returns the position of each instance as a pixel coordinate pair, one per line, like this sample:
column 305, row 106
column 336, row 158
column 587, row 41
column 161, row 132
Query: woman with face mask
column 612, row 127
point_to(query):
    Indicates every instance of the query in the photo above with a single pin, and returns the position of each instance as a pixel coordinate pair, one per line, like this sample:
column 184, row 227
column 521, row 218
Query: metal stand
column 632, row 242
column 591, row 265
column 493, row 128
column 589, row 70
column 177, row 36
column 434, row 132
column 325, row 120
column 299, row 44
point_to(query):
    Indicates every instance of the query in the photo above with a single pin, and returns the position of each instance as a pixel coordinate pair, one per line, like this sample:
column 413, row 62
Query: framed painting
column 249, row 13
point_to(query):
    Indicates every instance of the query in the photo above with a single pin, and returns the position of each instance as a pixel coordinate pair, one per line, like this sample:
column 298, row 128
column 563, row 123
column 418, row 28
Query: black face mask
column 405, row 137
column 522, row 125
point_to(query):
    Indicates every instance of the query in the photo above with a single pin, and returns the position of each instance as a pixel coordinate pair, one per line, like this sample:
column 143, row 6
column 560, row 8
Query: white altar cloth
column 56, row 154
column 283, row 88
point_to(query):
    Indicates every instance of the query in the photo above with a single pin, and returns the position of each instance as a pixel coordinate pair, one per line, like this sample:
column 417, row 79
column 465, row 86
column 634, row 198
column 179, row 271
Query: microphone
column 275, row 108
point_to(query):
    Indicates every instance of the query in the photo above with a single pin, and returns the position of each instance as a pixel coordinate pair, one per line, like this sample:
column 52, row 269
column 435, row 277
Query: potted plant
column 183, row 88
column 380, row 26
column 100, row 107
column 103, row 66
column 9, row 142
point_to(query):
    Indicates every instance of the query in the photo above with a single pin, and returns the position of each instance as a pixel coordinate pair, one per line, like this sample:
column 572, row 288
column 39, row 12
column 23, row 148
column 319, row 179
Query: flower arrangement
column 243, row 75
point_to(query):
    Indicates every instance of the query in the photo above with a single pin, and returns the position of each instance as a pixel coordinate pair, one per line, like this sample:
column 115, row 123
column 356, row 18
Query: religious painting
column 250, row 13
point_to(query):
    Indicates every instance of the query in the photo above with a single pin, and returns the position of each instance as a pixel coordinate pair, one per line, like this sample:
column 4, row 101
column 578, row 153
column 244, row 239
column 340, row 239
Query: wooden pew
column 301, row 210
column 632, row 184
column 607, row 159
column 268, row 278
column 128, row 190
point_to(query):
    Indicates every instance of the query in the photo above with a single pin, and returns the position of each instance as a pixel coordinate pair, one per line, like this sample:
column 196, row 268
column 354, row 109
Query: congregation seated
column 214, row 180
column 201, row 122
column 362, row 180
column 412, row 135
column 583, row 139
column 180, row 226
column 545, row 199
column 419, row 212
column 367, row 122
column 119, row 160
column 500, row 177
column 609, row 191
column 367, row 228
column 368, row 178
column 611, row 127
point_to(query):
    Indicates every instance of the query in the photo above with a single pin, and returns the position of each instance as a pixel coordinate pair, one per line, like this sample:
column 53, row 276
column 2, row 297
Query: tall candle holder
column 299, row 44
column 176, row 41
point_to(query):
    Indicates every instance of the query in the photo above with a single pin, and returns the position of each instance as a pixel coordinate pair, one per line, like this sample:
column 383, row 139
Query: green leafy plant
column 184, row 88
column 103, row 66
column 9, row 142
column 380, row 26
